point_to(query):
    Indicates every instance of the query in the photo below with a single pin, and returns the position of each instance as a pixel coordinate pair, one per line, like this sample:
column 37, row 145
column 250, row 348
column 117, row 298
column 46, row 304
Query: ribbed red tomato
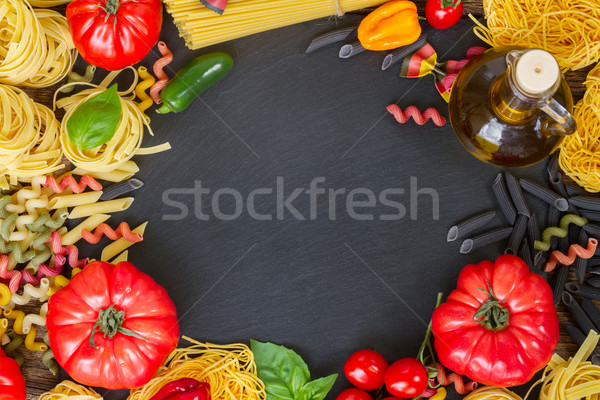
column 499, row 327
column 114, row 34
column 12, row 384
column 112, row 326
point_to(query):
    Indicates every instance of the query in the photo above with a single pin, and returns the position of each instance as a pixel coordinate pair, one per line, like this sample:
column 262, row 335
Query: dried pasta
column 229, row 369
column 36, row 48
column 31, row 344
column 492, row 393
column 101, row 207
column 18, row 317
column 140, row 91
column 201, row 27
column 158, row 69
column 566, row 28
column 74, row 200
column 48, row 3
column 90, row 223
column 122, row 230
column 5, row 295
column 67, row 390
column 559, row 231
column 68, row 181
column 414, row 113
column 580, row 152
column 121, row 257
column 120, row 245
column 575, row 251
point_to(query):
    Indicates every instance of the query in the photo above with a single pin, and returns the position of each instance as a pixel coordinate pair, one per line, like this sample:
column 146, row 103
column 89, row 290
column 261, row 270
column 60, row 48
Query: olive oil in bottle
column 511, row 107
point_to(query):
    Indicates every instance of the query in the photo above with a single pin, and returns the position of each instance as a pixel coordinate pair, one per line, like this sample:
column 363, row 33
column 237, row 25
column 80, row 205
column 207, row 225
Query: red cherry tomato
column 365, row 369
column 354, row 394
column 406, row 378
column 442, row 14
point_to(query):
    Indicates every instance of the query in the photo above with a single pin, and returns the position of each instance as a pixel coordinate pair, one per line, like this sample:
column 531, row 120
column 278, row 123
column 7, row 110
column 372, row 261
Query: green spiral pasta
column 11, row 348
column 14, row 248
column 560, row 231
column 48, row 358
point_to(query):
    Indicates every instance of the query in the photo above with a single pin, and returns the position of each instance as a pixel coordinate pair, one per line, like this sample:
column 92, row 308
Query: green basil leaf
column 319, row 388
column 282, row 370
column 95, row 121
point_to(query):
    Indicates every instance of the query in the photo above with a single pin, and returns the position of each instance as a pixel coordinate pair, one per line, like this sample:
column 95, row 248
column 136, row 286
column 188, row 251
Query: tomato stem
column 492, row 314
column 427, row 341
column 110, row 322
column 111, row 7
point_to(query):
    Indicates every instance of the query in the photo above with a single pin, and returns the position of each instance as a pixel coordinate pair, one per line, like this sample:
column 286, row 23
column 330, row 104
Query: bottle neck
column 509, row 104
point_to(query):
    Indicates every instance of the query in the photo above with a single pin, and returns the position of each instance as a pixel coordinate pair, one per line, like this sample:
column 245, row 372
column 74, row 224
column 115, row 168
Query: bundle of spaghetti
column 68, row 181
column 127, row 139
column 414, row 113
column 492, row 393
column 140, row 90
column 580, row 152
column 122, row 230
column 29, row 140
column 575, row 251
column 569, row 29
column 201, row 27
column 453, row 378
column 560, row 231
column 67, row 390
column 228, row 369
column 36, row 48
column 158, row 68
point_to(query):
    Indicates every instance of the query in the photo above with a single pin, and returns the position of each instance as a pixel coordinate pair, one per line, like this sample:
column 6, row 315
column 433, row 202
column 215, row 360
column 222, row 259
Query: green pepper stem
column 110, row 322
column 164, row 109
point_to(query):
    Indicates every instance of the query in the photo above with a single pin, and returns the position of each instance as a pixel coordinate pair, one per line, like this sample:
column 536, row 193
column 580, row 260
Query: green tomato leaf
column 319, row 388
column 282, row 370
column 95, row 121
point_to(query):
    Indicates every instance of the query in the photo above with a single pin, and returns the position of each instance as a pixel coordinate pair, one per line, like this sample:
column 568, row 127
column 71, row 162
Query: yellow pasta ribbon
column 5, row 295
column 140, row 90
column 69, row 390
column 31, row 344
column 18, row 316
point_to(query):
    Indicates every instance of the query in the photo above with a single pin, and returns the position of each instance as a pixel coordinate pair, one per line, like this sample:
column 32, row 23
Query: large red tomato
column 114, row 34
column 112, row 326
column 499, row 327
column 12, row 384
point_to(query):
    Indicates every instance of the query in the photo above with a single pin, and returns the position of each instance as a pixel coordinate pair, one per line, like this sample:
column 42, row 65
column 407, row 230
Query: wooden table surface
column 39, row 379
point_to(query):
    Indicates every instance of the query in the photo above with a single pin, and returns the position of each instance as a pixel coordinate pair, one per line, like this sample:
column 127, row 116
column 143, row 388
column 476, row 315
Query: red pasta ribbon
column 14, row 277
column 158, row 69
column 69, row 182
column 62, row 251
column 122, row 230
column 575, row 251
column 459, row 384
column 414, row 113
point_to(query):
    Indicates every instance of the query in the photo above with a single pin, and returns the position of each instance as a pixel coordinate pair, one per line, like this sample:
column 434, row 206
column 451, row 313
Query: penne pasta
column 73, row 200
column 102, row 207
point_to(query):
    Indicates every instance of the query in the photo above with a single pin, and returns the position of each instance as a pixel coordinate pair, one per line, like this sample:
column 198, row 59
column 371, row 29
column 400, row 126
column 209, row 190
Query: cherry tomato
column 354, row 394
column 365, row 369
column 406, row 378
column 442, row 14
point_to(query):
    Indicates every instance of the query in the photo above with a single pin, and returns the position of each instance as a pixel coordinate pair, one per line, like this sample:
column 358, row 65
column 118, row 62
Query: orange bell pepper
column 392, row 25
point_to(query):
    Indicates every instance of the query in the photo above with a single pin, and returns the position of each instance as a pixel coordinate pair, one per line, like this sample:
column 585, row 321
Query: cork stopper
column 536, row 72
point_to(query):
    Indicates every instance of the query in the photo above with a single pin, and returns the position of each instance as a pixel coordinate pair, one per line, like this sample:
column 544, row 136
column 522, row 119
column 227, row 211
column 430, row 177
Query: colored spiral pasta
column 87, row 77
column 575, row 251
column 159, row 72
column 414, row 113
column 12, row 348
column 68, row 181
column 140, row 90
column 453, row 378
column 122, row 230
column 560, row 231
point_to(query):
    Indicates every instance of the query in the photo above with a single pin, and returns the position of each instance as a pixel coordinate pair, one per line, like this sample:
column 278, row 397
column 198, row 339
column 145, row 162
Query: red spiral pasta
column 472, row 52
column 414, row 113
column 14, row 277
column 161, row 76
column 71, row 251
column 574, row 251
column 69, row 182
column 459, row 384
column 122, row 230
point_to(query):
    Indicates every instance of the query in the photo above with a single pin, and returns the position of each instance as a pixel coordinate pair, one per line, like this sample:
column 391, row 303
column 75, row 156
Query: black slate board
column 323, row 287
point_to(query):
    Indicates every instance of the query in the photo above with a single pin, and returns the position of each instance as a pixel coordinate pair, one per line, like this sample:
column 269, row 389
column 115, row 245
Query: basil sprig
column 95, row 121
column 286, row 375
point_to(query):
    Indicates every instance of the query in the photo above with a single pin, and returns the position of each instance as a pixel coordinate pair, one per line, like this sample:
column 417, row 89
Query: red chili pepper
column 172, row 390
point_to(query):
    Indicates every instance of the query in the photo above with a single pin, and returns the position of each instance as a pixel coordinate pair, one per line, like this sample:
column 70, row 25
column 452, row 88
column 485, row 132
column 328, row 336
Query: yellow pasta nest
column 492, row 393
column 36, row 48
column 580, row 153
column 569, row 29
column 67, row 390
column 228, row 369
column 29, row 138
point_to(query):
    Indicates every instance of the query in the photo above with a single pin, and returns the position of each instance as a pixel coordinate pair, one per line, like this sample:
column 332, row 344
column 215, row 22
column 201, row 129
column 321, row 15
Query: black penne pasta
column 553, row 219
column 558, row 186
column 583, row 290
column 558, row 285
column 533, row 229
column 401, row 52
column 595, row 271
column 592, row 229
column 595, row 358
column 581, row 263
column 579, row 337
column 516, row 194
column 575, row 190
column 592, row 312
column 503, row 198
column 352, row 49
column 470, row 225
column 516, row 237
column 594, row 281
column 580, row 317
column 594, row 262
column 586, row 202
column 329, row 38
column 525, row 254
column 539, row 259
column 591, row 215
column 563, row 244
column 121, row 188
column 552, row 167
column 546, row 195
column 485, row 239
